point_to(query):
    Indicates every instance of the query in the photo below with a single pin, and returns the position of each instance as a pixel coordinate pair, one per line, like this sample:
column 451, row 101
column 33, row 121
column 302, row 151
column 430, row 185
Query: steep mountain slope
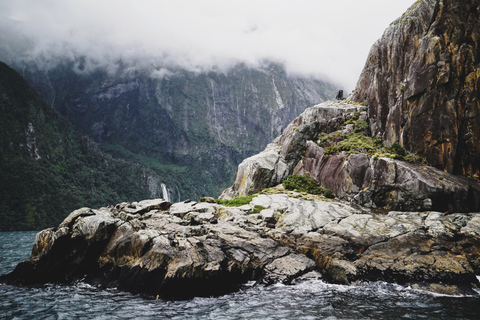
column 422, row 83
column 205, row 121
column 47, row 168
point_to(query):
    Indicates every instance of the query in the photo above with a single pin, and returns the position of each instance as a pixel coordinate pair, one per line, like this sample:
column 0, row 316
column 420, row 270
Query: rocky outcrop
column 190, row 249
column 271, row 166
column 389, row 184
column 421, row 83
column 392, row 221
column 374, row 182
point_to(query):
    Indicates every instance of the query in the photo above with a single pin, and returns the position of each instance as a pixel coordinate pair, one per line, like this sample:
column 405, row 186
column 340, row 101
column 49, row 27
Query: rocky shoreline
column 187, row 249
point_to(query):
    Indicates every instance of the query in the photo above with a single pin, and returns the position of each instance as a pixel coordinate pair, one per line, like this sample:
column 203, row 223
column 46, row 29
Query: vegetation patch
column 329, row 194
column 360, row 141
column 236, row 202
column 302, row 184
column 354, row 102
column 362, row 126
column 352, row 143
column 257, row 209
column 306, row 184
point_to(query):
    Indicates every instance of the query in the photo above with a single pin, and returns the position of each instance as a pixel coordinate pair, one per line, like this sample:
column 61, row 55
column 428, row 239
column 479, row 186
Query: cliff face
column 421, row 82
column 326, row 143
column 206, row 121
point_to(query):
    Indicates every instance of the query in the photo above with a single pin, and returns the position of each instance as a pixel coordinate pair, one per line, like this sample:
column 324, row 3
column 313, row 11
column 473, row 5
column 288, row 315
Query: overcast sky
column 319, row 37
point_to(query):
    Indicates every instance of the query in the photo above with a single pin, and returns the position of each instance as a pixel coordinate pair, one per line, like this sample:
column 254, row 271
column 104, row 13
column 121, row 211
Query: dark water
column 307, row 300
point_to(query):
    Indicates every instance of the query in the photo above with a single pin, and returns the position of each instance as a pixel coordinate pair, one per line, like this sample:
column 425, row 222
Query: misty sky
column 317, row 37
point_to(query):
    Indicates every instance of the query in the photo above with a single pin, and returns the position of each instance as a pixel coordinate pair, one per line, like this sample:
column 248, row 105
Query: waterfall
column 178, row 193
column 166, row 195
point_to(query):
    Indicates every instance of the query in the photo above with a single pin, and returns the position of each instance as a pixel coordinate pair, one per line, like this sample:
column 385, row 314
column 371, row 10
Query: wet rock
column 287, row 268
column 197, row 249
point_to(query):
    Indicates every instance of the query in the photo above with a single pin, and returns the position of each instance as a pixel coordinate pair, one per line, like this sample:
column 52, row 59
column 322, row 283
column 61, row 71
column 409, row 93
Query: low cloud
column 311, row 37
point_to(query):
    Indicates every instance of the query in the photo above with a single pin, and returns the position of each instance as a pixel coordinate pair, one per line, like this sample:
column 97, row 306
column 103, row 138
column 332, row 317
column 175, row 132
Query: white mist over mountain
column 330, row 39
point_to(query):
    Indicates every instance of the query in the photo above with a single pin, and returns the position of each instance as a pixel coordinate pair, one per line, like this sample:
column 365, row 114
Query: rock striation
column 389, row 184
column 194, row 249
column 421, row 83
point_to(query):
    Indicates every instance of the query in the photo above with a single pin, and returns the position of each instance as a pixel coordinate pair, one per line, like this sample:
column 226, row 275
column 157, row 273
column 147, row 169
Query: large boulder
column 421, row 82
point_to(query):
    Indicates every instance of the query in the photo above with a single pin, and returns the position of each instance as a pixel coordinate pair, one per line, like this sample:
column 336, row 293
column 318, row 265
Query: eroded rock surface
column 191, row 249
column 273, row 165
column 389, row 184
column 371, row 181
column 421, row 83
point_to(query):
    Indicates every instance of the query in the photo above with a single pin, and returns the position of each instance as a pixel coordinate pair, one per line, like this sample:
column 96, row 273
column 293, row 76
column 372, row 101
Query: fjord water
column 304, row 300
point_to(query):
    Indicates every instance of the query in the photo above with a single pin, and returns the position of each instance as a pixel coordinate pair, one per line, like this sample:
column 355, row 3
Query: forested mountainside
column 207, row 122
column 47, row 168
column 186, row 130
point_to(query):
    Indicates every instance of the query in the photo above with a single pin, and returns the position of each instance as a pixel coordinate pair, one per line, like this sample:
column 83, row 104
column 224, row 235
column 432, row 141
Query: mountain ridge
column 193, row 119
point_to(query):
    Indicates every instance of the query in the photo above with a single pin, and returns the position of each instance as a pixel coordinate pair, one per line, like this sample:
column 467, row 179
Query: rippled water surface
column 306, row 300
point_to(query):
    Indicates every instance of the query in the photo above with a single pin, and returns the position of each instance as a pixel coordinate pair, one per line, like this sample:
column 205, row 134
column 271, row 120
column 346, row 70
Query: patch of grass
column 236, row 202
column 396, row 148
column 352, row 143
column 257, row 208
column 359, row 142
column 354, row 102
column 361, row 126
column 329, row 194
column 413, row 158
column 356, row 115
column 302, row 184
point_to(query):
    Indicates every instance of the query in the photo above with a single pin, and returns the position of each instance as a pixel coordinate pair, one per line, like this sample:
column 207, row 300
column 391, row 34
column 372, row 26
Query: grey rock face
column 194, row 249
column 377, row 183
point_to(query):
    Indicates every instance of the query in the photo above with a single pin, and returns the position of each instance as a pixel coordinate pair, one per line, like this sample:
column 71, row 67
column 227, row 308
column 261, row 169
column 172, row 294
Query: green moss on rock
column 302, row 184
